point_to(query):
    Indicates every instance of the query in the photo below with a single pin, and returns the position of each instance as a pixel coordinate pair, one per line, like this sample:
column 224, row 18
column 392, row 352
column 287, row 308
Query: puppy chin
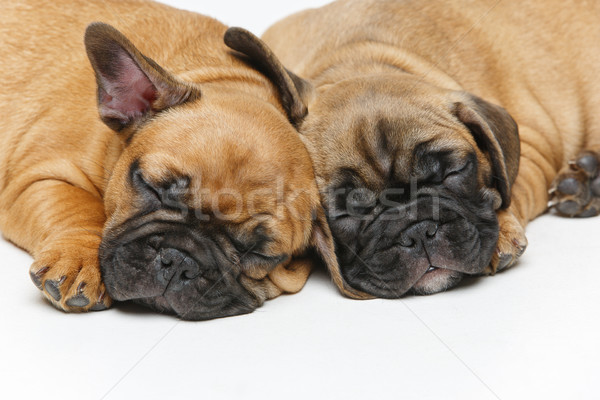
column 435, row 281
column 191, row 312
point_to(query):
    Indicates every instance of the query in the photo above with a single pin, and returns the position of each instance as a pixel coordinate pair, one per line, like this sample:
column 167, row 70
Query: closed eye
column 461, row 170
column 351, row 201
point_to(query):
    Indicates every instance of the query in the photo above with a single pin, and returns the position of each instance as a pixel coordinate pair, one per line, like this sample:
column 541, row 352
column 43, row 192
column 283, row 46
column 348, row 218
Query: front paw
column 69, row 276
column 511, row 243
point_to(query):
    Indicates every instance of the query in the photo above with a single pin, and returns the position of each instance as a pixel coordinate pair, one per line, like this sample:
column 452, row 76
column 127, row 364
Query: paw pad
column 53, row 288
column 575, row 191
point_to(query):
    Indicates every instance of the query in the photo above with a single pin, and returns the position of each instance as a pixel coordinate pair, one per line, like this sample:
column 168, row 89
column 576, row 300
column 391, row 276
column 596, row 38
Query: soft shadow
column 133, row 308
column 467, row 282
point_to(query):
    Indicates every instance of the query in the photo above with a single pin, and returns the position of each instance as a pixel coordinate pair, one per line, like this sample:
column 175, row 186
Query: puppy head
column 212, row 197
column 411, row 176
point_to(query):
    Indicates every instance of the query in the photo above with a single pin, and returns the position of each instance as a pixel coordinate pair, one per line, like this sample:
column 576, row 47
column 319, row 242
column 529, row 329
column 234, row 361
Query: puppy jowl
column 119, row 152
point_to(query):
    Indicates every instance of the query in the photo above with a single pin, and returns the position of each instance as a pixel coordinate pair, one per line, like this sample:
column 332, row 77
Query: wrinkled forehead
column 238, row 159
column 228, row 142
column 382, row 131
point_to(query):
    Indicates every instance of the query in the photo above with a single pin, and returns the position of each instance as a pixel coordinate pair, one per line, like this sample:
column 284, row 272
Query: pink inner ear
column 128, row 94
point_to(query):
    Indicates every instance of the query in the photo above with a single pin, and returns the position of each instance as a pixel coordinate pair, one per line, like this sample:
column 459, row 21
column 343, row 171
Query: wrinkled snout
column 424, row 254
column 175, row 273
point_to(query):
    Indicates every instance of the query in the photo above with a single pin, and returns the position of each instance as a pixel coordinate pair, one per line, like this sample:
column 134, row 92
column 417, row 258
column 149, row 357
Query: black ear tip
column 235, row 36
column 233, row 29
column 96, row 32
column 236, row 30
column 97, row 28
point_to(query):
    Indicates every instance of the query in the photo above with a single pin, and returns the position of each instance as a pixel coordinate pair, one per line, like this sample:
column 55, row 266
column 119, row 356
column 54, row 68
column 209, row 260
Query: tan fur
column 63, row 172
column 538, row 59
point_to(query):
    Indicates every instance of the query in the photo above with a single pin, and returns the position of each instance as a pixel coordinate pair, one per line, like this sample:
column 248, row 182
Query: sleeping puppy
column 159, row 167
column 437, row 128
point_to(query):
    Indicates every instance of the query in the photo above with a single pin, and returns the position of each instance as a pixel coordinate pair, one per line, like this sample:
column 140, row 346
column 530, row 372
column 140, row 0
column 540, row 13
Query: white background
column 531, row 332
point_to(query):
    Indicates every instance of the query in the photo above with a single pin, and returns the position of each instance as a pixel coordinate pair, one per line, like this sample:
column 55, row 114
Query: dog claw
column 504, row 261
column 36, row 277
column 572, row 164
column 99, row 306
column 80, row 287
column 520, row 247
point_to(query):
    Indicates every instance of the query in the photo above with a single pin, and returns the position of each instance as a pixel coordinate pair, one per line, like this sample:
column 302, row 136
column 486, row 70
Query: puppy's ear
column 322, row 241
column 131, row 86
column 294, row 91
column 496, row 133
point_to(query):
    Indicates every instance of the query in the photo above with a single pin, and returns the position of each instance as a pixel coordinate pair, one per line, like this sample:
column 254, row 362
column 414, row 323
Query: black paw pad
column 79, row 300
column 589, row 212
column 569, row 186
column 98, row 307
column 588, row 163
column 595, row 187
column 53, row 288
column 568, row 207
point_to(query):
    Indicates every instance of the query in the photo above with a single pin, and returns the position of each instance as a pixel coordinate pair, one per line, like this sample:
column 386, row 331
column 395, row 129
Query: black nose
column 178, row 266
column 418, row 233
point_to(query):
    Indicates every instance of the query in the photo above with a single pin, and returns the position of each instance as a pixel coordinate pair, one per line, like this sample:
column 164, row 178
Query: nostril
column 190, row 269
column 417, row 233
column 431, row 231
column 407, row 242
column 170, row 257
column 188, row 274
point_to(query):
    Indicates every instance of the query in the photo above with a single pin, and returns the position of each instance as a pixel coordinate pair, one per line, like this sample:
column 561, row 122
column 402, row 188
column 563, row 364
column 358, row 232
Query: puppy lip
column 436, row 280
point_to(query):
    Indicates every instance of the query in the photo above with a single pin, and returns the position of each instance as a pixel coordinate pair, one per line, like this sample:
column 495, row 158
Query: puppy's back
column 46, row 79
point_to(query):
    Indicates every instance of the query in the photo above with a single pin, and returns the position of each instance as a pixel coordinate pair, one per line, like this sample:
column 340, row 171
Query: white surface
column 528, row 333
